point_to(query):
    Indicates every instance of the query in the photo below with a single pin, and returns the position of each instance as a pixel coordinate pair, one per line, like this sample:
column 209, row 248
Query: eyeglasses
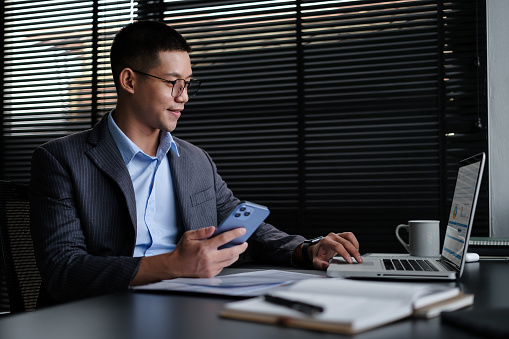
column 179, row 85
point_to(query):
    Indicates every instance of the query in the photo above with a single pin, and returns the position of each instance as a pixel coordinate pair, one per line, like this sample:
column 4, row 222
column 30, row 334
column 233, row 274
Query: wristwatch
column 309, row 242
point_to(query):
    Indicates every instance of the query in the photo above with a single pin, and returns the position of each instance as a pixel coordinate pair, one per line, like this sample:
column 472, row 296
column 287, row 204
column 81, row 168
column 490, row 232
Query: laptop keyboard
column 408, row 265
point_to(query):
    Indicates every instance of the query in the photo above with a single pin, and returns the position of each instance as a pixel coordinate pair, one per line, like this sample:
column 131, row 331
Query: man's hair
column 138, row 44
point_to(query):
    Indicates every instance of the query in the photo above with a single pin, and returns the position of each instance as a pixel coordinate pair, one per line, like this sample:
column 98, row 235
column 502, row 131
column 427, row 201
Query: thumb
column 321, row 264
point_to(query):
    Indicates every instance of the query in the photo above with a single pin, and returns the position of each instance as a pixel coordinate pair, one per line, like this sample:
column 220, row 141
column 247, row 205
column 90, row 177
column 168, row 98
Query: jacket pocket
column 203, row 196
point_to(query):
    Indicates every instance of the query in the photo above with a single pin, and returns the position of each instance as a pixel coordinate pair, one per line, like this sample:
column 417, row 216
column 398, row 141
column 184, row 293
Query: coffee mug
column 424, row 237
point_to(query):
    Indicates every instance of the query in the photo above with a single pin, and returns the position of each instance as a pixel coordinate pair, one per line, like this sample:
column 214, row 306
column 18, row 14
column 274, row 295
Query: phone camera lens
column 242, row 209
column 246, row 213
column 237, row 215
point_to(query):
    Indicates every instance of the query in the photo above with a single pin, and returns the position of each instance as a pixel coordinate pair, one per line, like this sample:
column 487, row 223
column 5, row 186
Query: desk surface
column 163, row 315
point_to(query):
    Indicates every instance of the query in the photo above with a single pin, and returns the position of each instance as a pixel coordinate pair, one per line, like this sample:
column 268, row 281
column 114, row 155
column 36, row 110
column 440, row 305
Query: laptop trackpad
column 339, row 261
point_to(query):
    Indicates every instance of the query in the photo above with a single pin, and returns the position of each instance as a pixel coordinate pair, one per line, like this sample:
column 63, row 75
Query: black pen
column 300, row 306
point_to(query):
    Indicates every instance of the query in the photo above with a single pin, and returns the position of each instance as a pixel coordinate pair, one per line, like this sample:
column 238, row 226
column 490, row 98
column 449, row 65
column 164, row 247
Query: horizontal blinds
column 465, row 105
column 112, row 16
column 333, row 113
column 52, row 64
column 355, row 145
column 47, row 75
column 246, row 113
column 372, row 142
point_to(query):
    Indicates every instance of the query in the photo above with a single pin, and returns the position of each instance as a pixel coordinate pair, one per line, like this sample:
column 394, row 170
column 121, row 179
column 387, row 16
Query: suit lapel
column 107, row 158
column 181, row 186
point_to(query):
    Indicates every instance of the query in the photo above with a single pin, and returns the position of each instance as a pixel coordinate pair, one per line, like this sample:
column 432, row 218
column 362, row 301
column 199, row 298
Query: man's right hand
column 196, row 255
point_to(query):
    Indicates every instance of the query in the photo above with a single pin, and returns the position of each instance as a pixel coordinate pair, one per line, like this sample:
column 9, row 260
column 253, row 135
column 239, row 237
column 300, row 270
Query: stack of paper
column 249, row 284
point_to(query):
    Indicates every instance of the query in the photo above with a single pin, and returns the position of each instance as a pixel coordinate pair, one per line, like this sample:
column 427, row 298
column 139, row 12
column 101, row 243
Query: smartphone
column 246, row 214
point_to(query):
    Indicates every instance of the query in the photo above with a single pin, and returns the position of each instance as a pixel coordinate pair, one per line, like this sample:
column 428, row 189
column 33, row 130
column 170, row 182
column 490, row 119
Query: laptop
column 450, row 264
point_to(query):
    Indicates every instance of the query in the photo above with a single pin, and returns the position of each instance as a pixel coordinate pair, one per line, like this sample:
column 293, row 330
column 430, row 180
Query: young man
column 125, row 203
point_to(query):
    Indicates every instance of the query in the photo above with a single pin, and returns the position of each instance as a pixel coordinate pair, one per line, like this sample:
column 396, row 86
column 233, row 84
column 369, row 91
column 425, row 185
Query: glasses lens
column 180, row 85
column 193, row 87
column 178, row 88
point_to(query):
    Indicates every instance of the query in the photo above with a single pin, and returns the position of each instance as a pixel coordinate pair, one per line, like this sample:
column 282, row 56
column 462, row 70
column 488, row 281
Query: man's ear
column 126, row 80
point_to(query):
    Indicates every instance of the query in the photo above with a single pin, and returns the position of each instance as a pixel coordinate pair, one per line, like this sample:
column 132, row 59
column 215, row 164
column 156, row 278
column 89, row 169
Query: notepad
column 350, row 306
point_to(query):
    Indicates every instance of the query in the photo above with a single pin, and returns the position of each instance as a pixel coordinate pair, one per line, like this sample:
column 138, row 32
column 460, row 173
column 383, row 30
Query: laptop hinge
column 446, row 265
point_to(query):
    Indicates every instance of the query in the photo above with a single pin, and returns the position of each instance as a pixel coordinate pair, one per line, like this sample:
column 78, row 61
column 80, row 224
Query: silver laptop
column 449, row 265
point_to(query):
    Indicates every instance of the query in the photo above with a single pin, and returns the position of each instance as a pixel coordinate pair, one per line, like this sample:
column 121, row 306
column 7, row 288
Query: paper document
column 247, row 284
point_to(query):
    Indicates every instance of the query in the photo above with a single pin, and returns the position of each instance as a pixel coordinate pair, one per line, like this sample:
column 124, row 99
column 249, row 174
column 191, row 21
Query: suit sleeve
column 68, row 269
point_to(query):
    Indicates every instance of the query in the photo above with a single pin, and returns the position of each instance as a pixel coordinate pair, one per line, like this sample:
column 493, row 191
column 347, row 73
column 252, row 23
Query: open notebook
column 452, row 260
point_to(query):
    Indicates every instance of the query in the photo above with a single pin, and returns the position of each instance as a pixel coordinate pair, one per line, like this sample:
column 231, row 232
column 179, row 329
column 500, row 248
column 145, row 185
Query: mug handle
column 405, row 245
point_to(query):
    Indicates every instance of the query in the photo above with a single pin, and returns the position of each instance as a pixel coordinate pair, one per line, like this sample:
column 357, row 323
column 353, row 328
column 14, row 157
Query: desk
column 148, row 315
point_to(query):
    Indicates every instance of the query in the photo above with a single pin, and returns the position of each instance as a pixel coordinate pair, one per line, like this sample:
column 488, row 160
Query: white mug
column 424, row 237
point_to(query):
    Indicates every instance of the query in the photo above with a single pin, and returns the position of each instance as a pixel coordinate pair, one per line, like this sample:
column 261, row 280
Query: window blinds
column 338, row 115
column 335, row 113
column 56, row 72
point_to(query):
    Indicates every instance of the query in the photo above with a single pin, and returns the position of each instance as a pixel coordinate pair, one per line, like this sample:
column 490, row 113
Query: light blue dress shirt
column 157, row 215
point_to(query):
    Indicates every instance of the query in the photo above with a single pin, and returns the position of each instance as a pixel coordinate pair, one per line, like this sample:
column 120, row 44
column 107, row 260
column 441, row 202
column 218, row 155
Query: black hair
column 138, row 44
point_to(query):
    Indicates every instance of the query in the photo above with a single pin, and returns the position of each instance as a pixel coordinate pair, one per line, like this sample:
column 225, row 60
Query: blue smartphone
column 246, row 214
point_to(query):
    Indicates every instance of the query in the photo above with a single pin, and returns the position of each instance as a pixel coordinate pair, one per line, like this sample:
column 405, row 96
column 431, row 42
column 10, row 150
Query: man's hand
column 196, row 255
column 345, row 244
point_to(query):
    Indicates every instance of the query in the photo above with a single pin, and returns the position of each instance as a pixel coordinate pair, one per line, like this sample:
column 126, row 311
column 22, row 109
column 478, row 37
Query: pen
column 300, row 306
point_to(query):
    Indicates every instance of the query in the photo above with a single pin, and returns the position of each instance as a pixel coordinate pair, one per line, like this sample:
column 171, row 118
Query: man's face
column 156, row 108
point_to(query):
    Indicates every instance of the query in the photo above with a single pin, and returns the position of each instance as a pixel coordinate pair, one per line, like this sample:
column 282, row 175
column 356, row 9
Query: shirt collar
column 129, row 149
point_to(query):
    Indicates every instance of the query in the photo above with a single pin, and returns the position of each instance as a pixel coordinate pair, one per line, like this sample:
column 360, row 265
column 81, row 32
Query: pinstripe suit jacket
column 83, row 213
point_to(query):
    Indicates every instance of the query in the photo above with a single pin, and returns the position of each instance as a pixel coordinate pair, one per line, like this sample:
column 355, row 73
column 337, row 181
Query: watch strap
column 305, row 246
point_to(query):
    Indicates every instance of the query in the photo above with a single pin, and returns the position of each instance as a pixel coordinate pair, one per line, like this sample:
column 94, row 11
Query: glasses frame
column 174, row 82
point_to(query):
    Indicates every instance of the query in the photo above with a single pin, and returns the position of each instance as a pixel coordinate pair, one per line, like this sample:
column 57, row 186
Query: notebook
column 449, row 266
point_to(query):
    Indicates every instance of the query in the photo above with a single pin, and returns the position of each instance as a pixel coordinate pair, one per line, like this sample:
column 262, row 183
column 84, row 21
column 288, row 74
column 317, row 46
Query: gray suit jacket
column 83, row 213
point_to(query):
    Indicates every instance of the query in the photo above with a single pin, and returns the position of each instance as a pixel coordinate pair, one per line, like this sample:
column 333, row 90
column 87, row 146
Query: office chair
column 22, row 276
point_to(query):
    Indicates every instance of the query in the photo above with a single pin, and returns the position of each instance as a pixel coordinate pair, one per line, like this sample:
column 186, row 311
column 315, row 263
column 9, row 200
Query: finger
column 350, row 243
column 227, row 236
column 224, row 258
column 320, row 264
column 348, row 236
column 228, row 256
column 347, row 251
column 200, row 234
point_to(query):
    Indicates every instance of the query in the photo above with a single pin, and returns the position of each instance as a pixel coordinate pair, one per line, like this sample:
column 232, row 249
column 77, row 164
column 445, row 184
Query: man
column 126, row 204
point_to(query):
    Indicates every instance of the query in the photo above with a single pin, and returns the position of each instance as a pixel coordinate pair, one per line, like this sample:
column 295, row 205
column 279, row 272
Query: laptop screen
column 462, row 210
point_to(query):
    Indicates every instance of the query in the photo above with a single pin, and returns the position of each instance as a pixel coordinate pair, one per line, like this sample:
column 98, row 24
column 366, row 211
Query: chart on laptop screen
column 459, row 218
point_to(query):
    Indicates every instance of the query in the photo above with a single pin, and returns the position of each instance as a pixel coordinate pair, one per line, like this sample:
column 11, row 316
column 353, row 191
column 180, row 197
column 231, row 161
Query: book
column 488, row 241
column 489, row 246
column 350, row 306
column 455, row 303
